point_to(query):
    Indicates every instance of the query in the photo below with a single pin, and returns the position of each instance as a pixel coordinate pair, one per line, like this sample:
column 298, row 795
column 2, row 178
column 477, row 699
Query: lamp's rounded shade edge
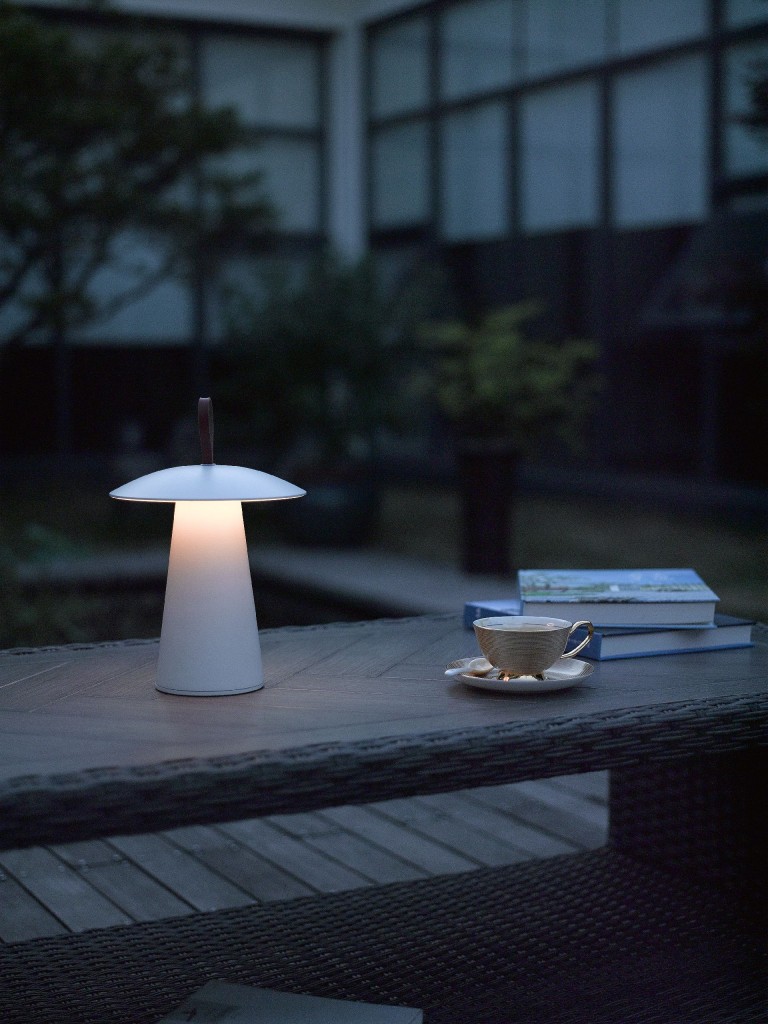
column 207, row 483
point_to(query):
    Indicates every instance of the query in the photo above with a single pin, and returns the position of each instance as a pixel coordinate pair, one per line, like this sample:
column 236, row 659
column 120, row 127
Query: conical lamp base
column 209, row 644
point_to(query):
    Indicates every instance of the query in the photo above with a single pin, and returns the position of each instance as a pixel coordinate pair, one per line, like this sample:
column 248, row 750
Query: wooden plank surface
column 189, row 878
column 420, row 850
column 91, row 708
column 121, row 881
column 194, row 868
column 322, row 873
column 259, row 877
column 63, row 891
column 22, row 915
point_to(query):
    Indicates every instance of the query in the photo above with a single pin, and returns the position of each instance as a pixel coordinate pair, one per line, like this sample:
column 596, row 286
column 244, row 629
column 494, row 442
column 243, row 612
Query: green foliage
column 26, row 619
column 756, row 119
column 101, row 149
column 310, row 361
column 494, row 379
column 48, row 521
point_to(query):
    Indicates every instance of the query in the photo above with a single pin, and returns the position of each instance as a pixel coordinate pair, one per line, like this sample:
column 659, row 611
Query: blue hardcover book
column 611, row 642
column 479, row 609
column 619, row 597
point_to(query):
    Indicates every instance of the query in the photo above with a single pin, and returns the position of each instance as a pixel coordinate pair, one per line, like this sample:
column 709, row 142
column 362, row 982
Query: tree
column 102, row 150
column 756, row 118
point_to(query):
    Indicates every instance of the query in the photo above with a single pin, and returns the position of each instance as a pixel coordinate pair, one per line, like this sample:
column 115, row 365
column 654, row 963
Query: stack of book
column 635, row 612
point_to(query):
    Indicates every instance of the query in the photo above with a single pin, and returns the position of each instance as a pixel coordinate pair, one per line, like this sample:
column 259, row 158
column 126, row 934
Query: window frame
column 713, row 45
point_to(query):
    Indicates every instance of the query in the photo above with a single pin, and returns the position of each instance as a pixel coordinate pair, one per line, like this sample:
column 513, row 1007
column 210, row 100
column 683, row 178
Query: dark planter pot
column 487, row 486
column 332, row 515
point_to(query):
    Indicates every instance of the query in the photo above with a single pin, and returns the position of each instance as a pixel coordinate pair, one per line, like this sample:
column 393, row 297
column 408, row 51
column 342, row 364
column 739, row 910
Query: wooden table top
column 349, row 712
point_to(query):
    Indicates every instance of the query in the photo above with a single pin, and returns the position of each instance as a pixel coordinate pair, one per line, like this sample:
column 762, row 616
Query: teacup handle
column 585, row 641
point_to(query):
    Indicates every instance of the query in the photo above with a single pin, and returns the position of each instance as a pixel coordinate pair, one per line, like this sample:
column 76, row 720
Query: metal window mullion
column 367, row 155
column 321, row 135
column 716, row 106
column 433, row 114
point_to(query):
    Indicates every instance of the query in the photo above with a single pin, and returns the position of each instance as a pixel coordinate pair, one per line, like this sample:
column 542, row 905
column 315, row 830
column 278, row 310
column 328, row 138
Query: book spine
column 675, row 650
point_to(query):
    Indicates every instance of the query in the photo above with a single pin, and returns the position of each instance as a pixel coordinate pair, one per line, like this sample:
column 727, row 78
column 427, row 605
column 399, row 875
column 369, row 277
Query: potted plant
column 308, row 373
column 506, row 393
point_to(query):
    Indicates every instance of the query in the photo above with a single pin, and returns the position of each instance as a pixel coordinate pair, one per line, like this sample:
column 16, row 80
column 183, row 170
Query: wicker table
column 664, row 924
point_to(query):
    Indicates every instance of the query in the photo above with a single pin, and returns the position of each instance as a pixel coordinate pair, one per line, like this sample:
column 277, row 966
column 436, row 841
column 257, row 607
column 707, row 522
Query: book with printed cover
column 618, row 597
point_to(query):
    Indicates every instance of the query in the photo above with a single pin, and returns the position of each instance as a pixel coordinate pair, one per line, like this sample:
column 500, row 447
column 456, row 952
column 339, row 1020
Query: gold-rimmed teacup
column 526, row 645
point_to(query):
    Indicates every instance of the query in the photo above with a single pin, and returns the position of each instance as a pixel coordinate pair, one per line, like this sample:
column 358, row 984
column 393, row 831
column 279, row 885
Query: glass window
column 239, row 275
column 93, row 37
column 400, row 175
column 661, row 144
column 268, row 82
column 746, row 12
column 474, row 152
column 400, row 68
column 291, row 179
column 559, row 140
column 561, row 34
column 746, row 152
column 645, row 24
column 479, row 47
column 164, row 313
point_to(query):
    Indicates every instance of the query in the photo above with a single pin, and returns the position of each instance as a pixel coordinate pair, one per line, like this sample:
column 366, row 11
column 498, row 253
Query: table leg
column 704, row 816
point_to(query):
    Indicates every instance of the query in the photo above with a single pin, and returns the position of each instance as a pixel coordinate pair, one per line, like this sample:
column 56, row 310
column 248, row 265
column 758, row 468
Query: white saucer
column 564, row 673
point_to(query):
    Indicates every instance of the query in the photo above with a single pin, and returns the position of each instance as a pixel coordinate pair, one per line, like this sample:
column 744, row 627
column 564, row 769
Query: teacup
column 526, row 645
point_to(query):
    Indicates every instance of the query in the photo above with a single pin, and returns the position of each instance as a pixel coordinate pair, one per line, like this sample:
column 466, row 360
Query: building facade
column 589, row 154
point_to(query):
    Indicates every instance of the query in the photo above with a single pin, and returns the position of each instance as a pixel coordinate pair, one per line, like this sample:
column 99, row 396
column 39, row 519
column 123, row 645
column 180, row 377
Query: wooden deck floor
column 70, row 888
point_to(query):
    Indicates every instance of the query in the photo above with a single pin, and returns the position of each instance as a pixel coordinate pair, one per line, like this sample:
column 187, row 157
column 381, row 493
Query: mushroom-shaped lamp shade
column 209, row 642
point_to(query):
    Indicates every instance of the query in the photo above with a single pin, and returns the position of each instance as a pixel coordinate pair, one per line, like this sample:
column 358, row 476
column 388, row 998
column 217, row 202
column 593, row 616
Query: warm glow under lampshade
column 209, row 642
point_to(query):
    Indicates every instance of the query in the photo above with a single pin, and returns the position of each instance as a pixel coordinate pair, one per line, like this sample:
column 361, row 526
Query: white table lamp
column 209, row 642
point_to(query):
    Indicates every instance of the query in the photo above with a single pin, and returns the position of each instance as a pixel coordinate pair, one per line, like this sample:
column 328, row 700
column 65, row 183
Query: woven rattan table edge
column 73, row 805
